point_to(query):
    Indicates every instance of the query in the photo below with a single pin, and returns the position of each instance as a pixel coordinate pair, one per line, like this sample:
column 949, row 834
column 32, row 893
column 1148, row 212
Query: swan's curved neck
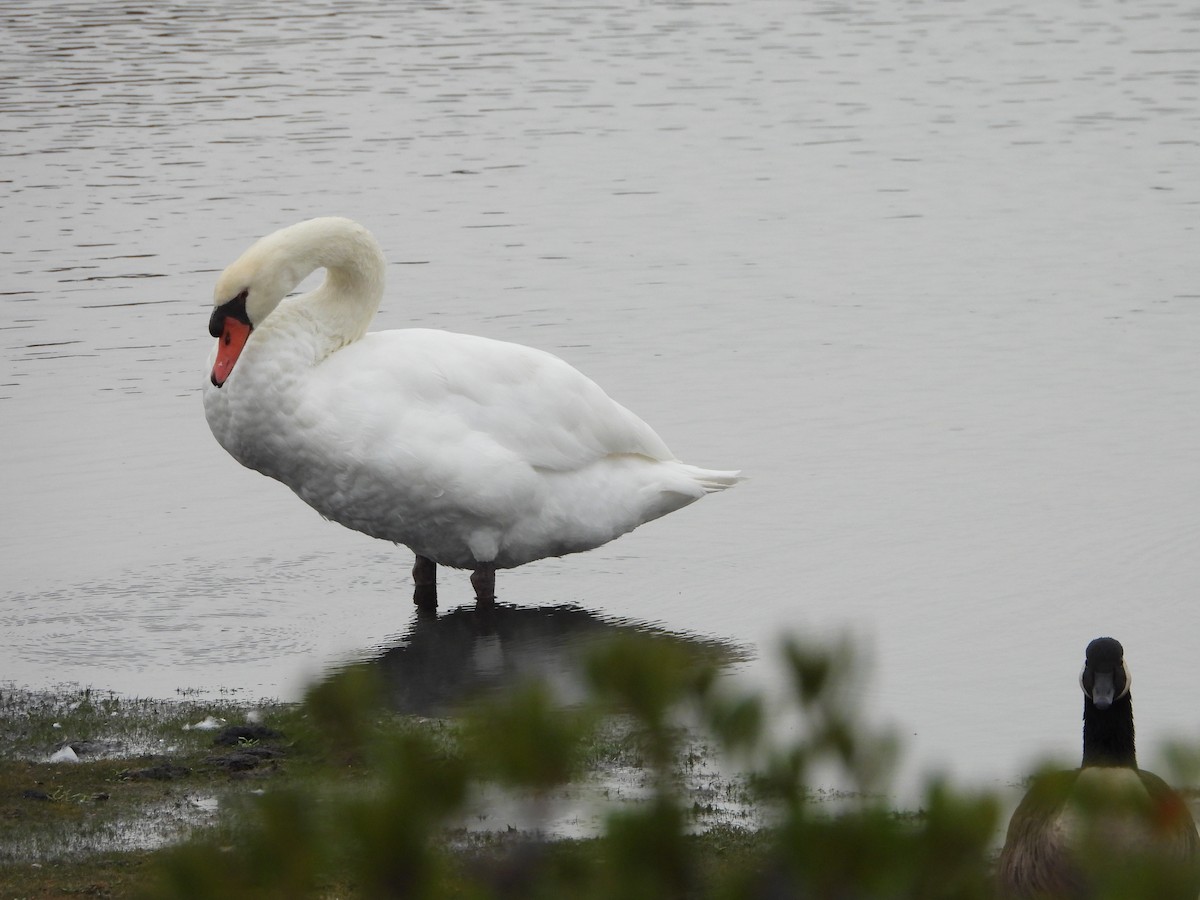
column 348, row 298
column 345, row 302
column 337, row 313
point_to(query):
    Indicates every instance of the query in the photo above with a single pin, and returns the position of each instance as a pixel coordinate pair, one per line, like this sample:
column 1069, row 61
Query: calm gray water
column 925, row 271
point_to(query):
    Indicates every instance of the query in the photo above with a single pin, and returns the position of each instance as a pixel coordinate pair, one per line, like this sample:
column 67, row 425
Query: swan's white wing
column 515, row 399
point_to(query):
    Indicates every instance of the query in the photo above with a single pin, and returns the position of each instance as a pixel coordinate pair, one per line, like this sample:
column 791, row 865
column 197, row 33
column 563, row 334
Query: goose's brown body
column 1074, row 830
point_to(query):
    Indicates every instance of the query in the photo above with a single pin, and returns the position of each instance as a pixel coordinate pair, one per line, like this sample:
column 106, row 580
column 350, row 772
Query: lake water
column 925, row 271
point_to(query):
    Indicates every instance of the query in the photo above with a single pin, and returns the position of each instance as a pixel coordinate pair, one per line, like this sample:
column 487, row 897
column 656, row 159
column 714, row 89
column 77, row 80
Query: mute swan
column 1076, row 830
column 475, row 453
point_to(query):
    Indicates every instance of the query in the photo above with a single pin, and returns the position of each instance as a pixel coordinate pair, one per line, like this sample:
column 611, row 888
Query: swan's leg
column 425, row 582
column 483, row 579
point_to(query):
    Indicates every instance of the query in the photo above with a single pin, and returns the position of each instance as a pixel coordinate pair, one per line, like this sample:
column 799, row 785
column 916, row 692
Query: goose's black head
column 1108, row 738
column 1105, row 677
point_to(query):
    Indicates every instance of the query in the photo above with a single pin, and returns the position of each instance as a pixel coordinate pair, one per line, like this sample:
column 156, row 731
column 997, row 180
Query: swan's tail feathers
column 712, row 479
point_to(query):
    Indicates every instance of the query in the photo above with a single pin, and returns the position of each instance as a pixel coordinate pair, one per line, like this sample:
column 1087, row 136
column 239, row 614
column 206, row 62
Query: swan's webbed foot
column 483, row 579
column 425, row 583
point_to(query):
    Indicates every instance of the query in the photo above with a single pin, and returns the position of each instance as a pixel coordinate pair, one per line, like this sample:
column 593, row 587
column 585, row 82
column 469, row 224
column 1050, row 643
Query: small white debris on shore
column 208, row 723
column 64, row 754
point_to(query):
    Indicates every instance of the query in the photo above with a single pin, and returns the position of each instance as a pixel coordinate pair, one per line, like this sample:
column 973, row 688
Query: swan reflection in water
column 445, row 660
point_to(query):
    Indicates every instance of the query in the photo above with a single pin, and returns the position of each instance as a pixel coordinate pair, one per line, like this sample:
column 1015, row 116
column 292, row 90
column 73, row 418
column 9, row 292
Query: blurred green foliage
column 380, row 824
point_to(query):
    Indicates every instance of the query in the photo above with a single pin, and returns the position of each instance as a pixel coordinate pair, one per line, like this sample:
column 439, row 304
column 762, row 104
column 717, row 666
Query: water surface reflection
column 928, row 277
column 445, row 660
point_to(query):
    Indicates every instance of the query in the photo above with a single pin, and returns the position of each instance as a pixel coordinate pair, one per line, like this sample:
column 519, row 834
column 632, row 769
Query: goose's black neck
column 1108, row 734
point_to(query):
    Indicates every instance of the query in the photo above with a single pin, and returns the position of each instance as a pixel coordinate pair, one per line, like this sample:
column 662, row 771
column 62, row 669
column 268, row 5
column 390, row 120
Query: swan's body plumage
column 472, row 452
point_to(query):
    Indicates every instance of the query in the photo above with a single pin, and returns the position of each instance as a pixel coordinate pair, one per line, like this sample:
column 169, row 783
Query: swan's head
column 250, row 288
column 1105, row 677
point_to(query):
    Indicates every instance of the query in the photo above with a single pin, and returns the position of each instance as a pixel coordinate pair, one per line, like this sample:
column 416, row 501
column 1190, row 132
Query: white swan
column 475, row 453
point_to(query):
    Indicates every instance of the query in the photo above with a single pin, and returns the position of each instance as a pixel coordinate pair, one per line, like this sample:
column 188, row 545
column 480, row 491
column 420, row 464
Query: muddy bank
column 84, row 773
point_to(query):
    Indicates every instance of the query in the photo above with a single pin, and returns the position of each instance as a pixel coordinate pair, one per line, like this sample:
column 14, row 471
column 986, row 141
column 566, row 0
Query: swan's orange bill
column 233, row 339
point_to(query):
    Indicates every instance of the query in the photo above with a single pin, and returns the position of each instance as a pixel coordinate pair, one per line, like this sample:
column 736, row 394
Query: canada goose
column 1076, row 832
column 476, row 454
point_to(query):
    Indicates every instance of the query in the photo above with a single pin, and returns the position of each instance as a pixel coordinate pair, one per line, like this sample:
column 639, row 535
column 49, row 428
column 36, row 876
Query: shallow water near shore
column 926, row 277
